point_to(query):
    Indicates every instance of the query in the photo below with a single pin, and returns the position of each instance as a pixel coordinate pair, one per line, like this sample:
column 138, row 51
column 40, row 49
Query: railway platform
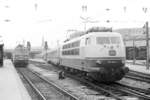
column 38, row 60
column 139, row 66
column 11, row 86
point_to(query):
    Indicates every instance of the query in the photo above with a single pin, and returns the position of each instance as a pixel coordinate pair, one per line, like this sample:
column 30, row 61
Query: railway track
column 115, row 90
column 105, row 90
column 142, row 63
column 138, row 76
column 44, row 88
column 138, row 92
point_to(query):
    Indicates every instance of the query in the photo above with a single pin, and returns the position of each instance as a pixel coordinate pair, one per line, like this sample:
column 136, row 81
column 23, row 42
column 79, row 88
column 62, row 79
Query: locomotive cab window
column 115, row 40
column 102, row 40
column 108, row 40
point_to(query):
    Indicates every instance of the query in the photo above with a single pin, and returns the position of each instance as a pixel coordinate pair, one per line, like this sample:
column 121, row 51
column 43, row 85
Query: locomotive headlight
column 99, row 62
column 123, row 61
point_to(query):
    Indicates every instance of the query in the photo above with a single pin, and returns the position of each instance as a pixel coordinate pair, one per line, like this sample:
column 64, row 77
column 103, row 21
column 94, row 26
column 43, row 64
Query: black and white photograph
column 74, row 50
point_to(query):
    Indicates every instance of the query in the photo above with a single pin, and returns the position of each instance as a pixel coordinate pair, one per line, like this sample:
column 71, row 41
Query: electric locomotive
column 20, row 56
column 100, row 54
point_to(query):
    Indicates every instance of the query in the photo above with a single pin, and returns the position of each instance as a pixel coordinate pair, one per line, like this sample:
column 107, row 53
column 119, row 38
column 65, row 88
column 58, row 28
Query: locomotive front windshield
column 108, row 40
column 115, row 40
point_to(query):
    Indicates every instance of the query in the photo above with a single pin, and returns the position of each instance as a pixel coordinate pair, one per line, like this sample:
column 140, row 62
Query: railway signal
column 28, row 46
column 46, row 48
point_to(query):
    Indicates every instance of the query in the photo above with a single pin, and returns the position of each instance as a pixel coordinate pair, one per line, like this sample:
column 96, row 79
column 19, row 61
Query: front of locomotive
column 107, row 56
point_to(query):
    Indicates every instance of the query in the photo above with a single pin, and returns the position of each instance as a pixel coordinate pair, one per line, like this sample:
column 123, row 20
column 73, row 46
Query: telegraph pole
column 146, row 30
column 46, row 48
column 147, row 45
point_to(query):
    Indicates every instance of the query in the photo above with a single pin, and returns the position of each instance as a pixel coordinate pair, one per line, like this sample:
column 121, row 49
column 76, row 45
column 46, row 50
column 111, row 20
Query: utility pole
column 147, row 44
column 46, row 48
column 84, row 10
column 146, row 30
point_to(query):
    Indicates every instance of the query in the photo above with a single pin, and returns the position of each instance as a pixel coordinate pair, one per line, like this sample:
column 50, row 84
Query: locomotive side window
column 72, row 45
column 102, row 40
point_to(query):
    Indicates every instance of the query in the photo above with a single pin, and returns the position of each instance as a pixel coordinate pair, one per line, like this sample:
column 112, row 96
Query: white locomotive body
column 100, row 55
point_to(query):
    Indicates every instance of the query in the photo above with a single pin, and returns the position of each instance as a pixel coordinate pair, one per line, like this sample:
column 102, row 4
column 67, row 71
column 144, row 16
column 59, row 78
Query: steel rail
column 33, row 86
column 122, row 89
column 146, row 91
column 125, row 89
column 138, row 76
column 72, row 97
column 97, row 87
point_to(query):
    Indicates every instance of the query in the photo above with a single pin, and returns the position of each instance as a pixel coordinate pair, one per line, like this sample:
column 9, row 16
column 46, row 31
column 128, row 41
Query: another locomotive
column 20, row 56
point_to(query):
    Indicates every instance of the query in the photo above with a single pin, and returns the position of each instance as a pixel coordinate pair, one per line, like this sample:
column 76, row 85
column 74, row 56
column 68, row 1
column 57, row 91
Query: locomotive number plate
column 112, row 52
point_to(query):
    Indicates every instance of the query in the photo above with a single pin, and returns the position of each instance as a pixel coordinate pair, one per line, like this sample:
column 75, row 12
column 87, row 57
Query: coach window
column 87, row 41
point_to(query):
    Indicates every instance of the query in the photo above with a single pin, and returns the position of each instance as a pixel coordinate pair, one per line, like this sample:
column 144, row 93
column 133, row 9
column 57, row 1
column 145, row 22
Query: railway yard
column 75, row 50
column 42, row 83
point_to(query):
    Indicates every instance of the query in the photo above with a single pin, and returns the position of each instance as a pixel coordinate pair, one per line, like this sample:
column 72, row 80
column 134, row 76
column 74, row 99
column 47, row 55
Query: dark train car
column 1, row 54
column 140, row 53
column 20, row 56
column 131, row 52
column 137, row 47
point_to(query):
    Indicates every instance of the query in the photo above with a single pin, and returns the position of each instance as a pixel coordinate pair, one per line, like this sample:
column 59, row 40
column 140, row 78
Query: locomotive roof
column 94, row 34
column 99, row 29
column 90, row 30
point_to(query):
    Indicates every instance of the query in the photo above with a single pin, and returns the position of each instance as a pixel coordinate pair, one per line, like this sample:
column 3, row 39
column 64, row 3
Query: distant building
column 132, row 33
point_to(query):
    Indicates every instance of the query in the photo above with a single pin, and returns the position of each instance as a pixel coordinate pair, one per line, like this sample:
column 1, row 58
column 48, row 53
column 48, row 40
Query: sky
column 52, row 20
